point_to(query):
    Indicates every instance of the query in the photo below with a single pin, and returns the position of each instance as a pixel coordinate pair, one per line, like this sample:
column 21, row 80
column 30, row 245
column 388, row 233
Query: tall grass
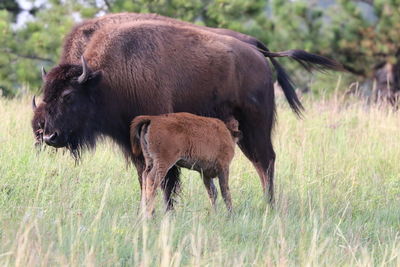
column 337, row 184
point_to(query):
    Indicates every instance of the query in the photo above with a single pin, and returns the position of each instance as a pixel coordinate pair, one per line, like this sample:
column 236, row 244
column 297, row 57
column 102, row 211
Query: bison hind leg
column 256, row 123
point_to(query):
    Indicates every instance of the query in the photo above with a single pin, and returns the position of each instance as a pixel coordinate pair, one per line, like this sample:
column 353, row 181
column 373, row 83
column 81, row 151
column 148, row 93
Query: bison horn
column 43, row 74
column 85, row 73
column 34, row 107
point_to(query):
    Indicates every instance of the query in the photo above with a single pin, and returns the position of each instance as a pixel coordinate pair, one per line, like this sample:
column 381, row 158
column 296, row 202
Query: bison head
column 70, row 106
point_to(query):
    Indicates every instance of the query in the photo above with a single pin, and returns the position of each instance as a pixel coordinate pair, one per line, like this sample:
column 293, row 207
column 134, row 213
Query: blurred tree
column 11, row 6
column 343, row 31
column 369, row 44
column 25, row 49
column 295, row 25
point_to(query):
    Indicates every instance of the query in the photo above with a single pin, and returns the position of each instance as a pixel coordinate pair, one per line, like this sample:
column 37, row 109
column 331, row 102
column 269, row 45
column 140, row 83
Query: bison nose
column 50, row 139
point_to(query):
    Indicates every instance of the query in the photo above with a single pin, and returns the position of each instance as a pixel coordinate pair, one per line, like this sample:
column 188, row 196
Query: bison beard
column 75, row 144
column 155, row 68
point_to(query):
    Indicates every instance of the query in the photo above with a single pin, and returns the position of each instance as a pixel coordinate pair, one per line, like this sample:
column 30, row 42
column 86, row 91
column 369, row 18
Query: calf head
column 233, row 126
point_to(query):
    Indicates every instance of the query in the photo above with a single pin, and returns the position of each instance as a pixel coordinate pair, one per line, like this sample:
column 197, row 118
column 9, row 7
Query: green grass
column 337, row 184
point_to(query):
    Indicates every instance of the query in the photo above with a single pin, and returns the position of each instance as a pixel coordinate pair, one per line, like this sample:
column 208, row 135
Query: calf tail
column 138, row 128
column 309, row 61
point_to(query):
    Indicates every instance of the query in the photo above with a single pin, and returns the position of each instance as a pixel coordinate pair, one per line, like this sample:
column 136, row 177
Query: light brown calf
column 203, row 144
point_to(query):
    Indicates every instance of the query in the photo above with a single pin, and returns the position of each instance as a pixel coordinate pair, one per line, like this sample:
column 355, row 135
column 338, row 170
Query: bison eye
column 67, row 97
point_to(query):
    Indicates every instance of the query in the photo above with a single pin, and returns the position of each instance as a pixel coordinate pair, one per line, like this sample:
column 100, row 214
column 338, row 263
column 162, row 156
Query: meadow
column 337, row 189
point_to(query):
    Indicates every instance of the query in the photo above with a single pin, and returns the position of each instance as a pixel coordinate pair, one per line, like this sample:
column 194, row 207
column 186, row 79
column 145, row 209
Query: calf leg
column 154, row 179
column 223, row 178
column 140, row 166
column 144, row 176
column 211, row 190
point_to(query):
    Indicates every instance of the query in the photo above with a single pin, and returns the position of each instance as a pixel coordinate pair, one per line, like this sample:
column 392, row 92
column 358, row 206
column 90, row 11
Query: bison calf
column 206, row 145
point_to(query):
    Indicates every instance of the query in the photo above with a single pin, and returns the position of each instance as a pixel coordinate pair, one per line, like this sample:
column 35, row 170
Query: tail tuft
column 309, row 61
column 287, row 86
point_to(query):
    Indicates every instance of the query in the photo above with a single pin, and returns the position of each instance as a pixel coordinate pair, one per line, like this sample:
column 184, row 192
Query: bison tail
column 287, row 86
column 138, row 128
column 309, row 61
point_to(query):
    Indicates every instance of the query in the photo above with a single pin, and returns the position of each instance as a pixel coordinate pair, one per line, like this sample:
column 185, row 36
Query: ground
column 337, row 184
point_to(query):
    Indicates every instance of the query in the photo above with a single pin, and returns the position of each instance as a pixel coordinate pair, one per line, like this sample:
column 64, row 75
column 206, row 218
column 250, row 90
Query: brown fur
column 75, row 44
column 154, row 67
column 76, row 41
column 202, row 144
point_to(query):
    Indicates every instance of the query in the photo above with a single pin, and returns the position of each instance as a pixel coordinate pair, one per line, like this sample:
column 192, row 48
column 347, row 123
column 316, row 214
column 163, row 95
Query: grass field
column 337, row 184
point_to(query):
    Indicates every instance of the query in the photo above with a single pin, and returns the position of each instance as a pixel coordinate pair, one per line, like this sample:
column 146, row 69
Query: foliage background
column 361, row 34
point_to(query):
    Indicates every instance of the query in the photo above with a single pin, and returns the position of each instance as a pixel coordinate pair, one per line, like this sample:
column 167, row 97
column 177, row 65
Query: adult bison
column 77, row 40
column 150, row 67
